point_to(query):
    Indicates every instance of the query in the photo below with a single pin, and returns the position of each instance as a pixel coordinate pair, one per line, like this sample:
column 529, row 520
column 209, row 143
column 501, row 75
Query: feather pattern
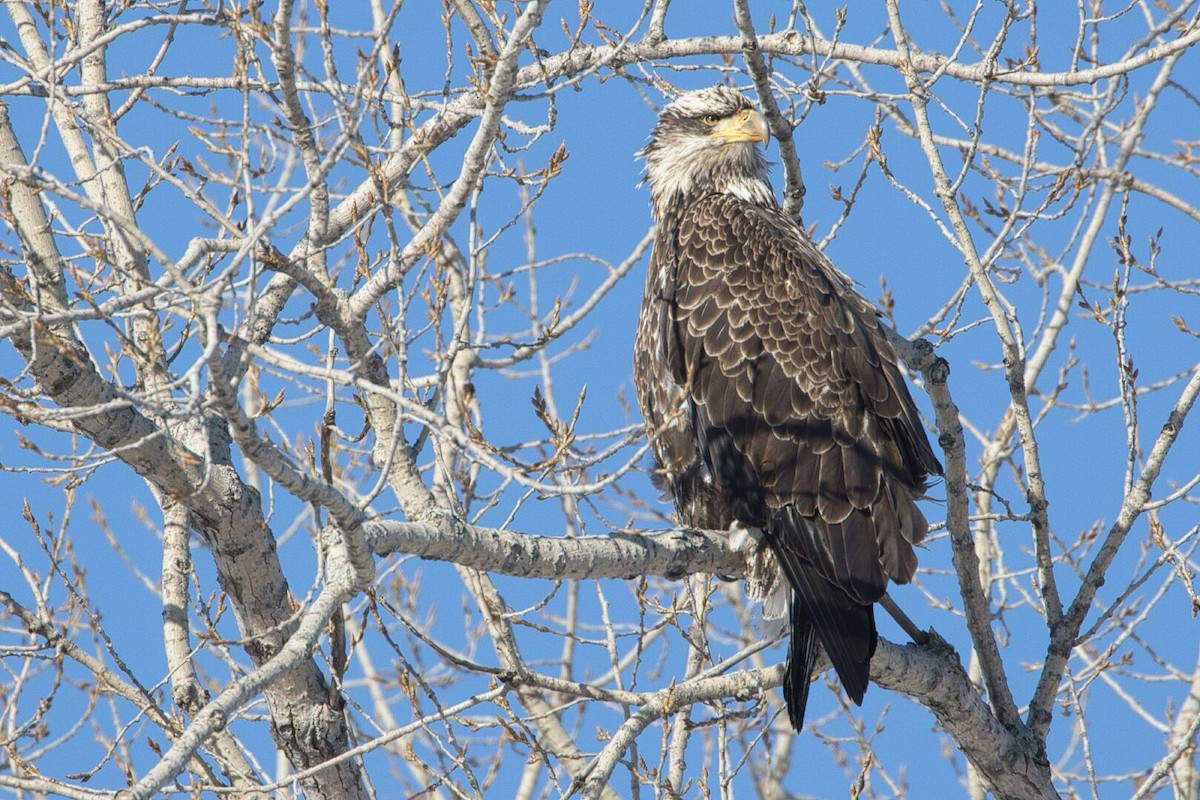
column 771, row 393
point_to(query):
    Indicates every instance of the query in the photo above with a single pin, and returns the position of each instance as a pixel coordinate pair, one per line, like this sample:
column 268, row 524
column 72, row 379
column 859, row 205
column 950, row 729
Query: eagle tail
column 801, row 661
column 821, row 612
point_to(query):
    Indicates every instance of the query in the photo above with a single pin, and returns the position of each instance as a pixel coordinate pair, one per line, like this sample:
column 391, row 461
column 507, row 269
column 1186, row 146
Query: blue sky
column 597, row 207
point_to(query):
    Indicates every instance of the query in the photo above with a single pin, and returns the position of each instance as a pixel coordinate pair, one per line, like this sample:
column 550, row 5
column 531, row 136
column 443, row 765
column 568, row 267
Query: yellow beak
column 745, row 126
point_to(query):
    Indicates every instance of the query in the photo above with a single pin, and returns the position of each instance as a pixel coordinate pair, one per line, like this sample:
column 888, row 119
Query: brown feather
column 772, row 394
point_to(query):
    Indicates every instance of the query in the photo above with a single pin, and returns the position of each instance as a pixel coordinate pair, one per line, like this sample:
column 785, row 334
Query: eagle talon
column 743, row 537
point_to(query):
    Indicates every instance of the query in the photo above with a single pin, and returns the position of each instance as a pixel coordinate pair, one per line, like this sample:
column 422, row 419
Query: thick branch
column 671, row 554
column 919, row 356
column 934, row 677
column 229, row 512
column 290, row 659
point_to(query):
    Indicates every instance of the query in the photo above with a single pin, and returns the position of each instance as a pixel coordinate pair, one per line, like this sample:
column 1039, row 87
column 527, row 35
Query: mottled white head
column 708, row 141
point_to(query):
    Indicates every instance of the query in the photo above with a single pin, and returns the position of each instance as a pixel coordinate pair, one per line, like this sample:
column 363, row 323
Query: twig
column 793, row 194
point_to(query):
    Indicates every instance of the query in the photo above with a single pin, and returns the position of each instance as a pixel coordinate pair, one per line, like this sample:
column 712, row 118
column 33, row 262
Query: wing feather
column 774, row 399
column 833, row 502
column 803, row 420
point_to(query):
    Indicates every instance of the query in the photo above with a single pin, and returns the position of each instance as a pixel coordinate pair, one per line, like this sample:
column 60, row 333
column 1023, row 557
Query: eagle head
column 707, row 141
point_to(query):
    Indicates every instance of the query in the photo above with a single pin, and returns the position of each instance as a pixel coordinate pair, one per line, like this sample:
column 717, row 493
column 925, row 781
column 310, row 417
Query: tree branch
column 793, row 193
column 671, row 554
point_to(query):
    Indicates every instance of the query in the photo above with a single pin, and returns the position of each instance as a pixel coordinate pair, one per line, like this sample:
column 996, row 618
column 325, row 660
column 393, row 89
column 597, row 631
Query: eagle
column 773, row 400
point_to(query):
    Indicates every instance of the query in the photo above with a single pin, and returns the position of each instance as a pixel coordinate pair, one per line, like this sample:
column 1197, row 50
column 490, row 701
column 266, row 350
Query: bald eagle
column 771, row 393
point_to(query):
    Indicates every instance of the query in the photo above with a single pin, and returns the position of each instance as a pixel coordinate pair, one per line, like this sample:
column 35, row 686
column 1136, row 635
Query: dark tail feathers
column 801, row 660
column 822, row 612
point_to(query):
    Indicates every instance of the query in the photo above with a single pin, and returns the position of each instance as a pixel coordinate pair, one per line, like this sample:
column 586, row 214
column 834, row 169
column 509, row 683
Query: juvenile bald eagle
column 771, row 393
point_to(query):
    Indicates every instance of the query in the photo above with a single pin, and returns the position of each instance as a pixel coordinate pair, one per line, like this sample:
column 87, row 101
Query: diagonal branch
column 228, row 511
column 966, row 561
column 793, row 193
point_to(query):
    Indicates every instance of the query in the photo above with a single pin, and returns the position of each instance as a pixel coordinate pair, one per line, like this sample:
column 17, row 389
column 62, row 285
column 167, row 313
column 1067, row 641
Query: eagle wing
column 802, row 417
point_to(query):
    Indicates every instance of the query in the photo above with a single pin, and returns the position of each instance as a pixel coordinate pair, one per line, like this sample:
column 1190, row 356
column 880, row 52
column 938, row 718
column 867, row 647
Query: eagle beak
column 745, row 126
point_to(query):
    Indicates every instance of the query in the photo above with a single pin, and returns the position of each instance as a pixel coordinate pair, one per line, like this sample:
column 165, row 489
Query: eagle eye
column 711, row 119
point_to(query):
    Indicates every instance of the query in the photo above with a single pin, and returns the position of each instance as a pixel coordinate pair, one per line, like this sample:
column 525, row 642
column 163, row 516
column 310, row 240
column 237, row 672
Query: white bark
column 323, row 357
